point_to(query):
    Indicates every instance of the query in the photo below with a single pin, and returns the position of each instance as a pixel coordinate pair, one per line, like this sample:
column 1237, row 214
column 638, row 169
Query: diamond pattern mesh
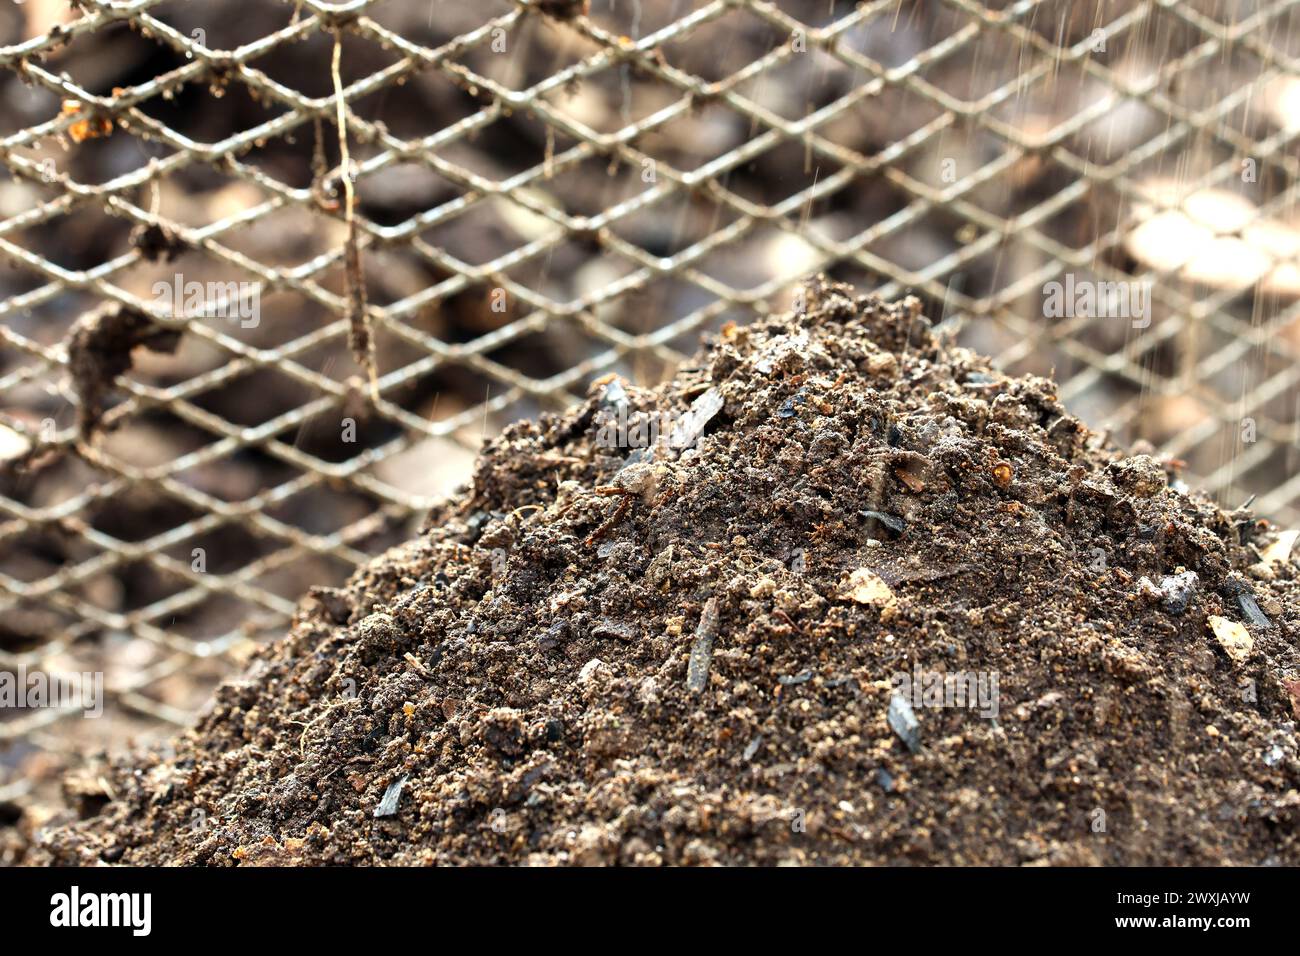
column 543, row 194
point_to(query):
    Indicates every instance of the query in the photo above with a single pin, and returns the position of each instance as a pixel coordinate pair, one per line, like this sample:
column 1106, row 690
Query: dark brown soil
column 157, row 243
column 692, row 658
column 99, row 350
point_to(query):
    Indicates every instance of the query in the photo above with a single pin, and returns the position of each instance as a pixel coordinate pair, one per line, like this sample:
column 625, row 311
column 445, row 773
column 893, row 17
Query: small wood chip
column 697, row 669
column 417, row 665
column 911, row 481
column 691, row 425
column 1232, row 637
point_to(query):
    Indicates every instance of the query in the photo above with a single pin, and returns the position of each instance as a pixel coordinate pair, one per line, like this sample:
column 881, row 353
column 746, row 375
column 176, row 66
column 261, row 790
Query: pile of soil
column 668, row 627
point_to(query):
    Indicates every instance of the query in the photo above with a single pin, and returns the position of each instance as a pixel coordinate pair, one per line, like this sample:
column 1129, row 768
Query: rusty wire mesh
column 545, row 195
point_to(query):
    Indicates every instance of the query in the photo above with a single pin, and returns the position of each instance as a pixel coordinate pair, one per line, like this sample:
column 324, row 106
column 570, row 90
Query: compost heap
column 679, row 625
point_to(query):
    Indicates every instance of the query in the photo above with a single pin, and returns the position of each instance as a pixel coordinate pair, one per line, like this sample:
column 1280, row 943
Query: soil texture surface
column 838, row 593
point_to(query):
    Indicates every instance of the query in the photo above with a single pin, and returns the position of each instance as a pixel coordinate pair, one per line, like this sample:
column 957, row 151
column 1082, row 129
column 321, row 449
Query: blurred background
column 546, row 193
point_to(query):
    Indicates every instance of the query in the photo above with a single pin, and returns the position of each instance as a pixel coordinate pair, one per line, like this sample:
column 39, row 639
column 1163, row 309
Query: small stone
column 388, row 803
column 590, row 669
column 614, row 394
column 497, row 534
column 648, row 691
column 503, row 731
column 893, row 523
column 661, row 568
column 614, row 630
column 640, row 477
column 1262, row 571
column 1239, row 589
column 1141, row 475
column 553, row 636
column 902, row 720
column 1249, row 607
column 881, row 363
column 1177, row 591
column 378, row 632
column 866, row 587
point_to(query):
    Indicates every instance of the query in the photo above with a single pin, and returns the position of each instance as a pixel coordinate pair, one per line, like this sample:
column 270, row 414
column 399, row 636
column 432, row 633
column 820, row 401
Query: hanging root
column 360, row 337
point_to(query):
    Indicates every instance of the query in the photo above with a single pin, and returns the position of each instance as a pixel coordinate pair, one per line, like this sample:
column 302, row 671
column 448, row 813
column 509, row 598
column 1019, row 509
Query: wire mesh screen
column 270, row 271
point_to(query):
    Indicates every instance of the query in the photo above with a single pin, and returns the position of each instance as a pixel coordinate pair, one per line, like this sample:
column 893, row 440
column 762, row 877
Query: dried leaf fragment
column 1279, row 552
column 89, row 126
column 1232, row 637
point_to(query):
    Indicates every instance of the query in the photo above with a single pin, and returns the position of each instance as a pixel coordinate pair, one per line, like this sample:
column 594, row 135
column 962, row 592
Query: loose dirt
column 678, row 625
column 99, row 350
